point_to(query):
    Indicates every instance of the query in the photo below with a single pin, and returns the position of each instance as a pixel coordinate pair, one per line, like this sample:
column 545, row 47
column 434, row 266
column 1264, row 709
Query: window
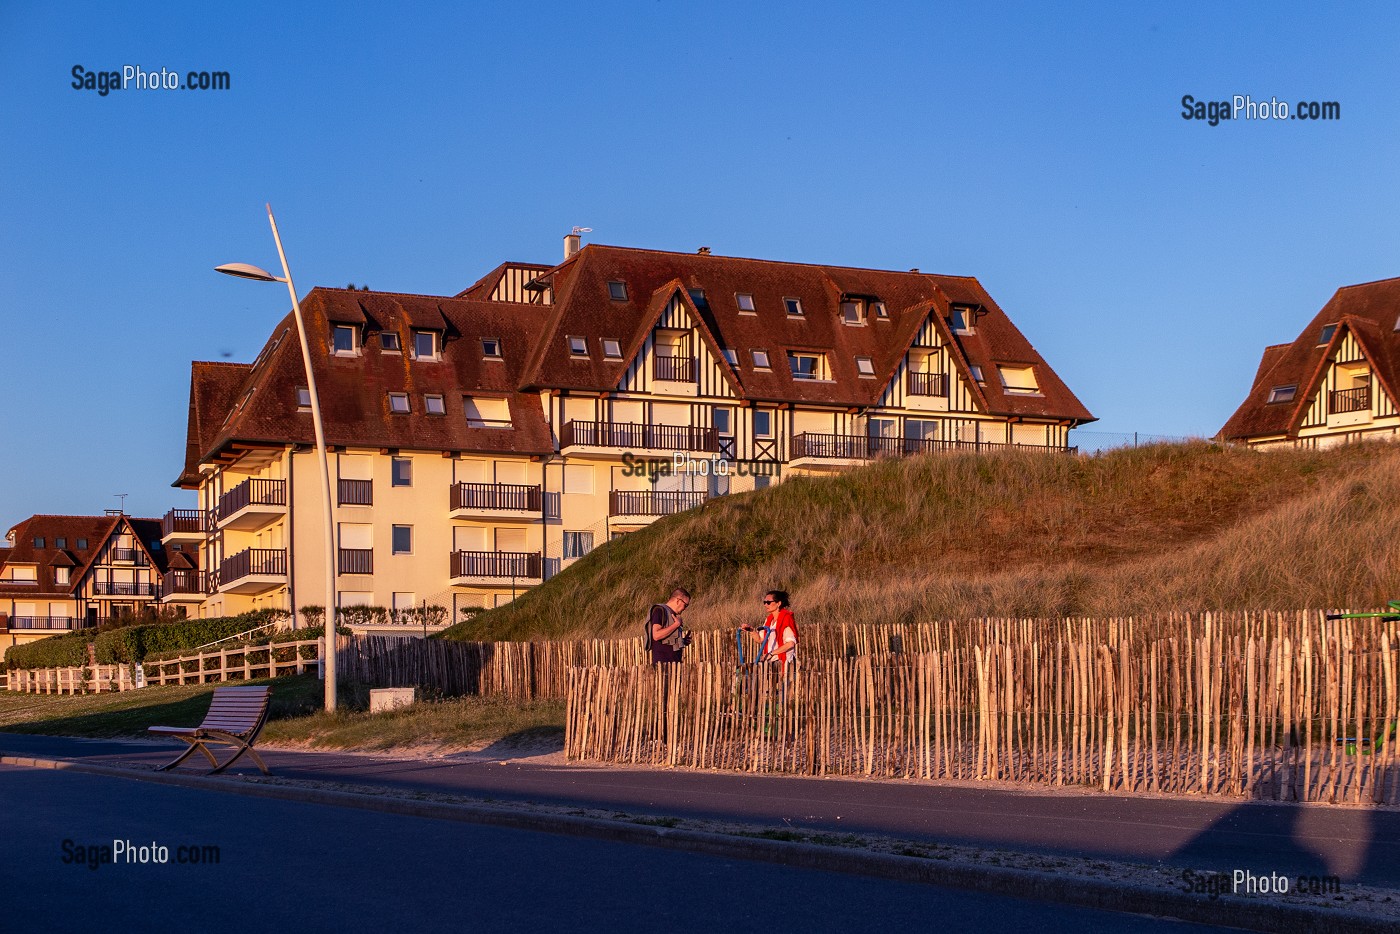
column 577, row 544
column 760, row 359
column 60, row 575
column 698, row 297
column 80, row 544
column 578, row 346
column 343, row 339
column 1018, row 380
column 389, row 340
column 425, row 345
column 303, row 399
column 486, row 412
column 879, row 309
column 398, row 403
column 724, row 422
column 806, row 365
column 60, row 543
column 490, row 348
column 851, row 313
column 401, row 472
column 39, row 542
column 612, row 349
column 1282, row 394
column 793, row 306
column 976, row 372
column 1327, row 331
column 732, row 356
column 745, row 301
column 434, row 405
column 763, row 423
column 578, row 478
column 961, row 320
column 403, row 539
column 865, row 366
column 617, row 291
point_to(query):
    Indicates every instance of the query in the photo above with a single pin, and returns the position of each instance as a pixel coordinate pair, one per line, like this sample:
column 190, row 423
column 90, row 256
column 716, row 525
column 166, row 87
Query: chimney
column 571, row 244
column 703, row 251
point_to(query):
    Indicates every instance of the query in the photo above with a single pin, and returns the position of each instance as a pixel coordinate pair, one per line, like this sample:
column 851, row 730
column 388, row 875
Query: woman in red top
column 780, row 641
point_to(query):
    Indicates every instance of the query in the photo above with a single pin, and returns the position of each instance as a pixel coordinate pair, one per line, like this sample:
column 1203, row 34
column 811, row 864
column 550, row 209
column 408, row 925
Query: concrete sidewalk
column 1357, row 845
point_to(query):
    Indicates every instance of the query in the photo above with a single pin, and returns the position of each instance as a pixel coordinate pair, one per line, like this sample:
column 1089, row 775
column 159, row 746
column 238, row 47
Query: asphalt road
column 290, row 866
column 1360, row 845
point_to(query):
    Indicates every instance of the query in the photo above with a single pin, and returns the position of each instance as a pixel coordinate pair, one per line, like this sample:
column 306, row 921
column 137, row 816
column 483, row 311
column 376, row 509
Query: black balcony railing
column 184, row 582
column 45, row 622
column 183, row 521
column 123, row 589
column 1349, row 400
column 928, row 384
column 253, row 493
column 268, row 562
column 653, row 502
column 674, row 368
column 632, row 436
column 866, row 447
column 514, row 565
column 485, row 496
column 356, row 492
column 129, row 556
column 355, row 561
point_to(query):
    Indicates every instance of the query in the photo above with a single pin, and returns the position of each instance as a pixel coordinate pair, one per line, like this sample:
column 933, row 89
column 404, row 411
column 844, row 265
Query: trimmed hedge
column 54, row 652
column 281, row 635
column 134, row 643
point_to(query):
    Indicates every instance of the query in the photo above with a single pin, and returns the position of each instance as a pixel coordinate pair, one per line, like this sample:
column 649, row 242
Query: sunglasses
column 766, row 602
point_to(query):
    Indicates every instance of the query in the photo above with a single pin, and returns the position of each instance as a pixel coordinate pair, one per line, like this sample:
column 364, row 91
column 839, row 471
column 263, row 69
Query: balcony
column 121, row 590
column 833, row 450
column 927, row 384
column 184, row 525
column 496, row 501
column 674, row 369
column 617, row 437
column 495, row 568
column 355, row 561
column 639, row 507
column 252, row 504
column 49, row 623
column 185, row 586
column 255, row 570
column 356, row 493
column 129, row 556
column 1341, row 401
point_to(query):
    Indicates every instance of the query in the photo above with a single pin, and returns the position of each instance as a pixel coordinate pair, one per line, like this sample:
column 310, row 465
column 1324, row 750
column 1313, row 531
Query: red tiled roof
column 1369, row 311
column 94, row 530
column 213, row 387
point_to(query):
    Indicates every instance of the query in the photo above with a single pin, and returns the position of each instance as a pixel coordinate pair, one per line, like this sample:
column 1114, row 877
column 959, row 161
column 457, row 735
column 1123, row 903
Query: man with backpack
column 665, row 635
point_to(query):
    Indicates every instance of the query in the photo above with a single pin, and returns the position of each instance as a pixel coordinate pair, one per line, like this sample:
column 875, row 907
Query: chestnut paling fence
column 1286, row 706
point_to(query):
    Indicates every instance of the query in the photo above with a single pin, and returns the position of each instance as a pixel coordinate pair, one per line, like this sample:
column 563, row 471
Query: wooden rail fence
column 72, row 680
column 235, row 663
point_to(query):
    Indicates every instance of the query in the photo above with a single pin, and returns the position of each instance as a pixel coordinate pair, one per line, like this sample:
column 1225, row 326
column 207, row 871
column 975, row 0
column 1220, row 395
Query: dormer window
column 389, row 342
column 1327, row 331
column 807, row 365
column 961, row 320
column 1282, row 394
column 60, row 575
column 344, row 340
column 486, row 412
column 578, row 346
column 760, row 359
column 852, row 314
column 865, row 366
column 425, row 345
column 398, row 403
column 745, row 301
column 612, row 349
column 490, row 348
column 303, row 399
column 793, row 306
column 1018, row 380
column 617, row 291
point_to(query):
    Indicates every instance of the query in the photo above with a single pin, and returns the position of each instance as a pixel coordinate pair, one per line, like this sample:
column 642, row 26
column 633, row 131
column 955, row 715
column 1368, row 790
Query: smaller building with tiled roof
column 1336, row 382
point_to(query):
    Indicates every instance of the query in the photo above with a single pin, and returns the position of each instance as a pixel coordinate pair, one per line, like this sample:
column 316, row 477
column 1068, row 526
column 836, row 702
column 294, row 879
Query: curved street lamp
column 247, row 271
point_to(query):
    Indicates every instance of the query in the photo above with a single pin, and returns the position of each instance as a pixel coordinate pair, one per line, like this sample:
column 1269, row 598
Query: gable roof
column 1368, row 311
column 95, row 531
column 584, row 307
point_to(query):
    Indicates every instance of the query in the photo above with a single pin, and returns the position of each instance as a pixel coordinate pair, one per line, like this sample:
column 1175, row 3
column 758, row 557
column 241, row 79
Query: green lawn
column 296, row 717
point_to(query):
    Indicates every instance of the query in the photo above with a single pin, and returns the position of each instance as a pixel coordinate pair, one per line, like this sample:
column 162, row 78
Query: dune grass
column 1164, row 527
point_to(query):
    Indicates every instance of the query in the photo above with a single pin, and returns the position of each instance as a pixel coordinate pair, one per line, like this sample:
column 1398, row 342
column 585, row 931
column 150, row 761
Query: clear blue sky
column 1149, row 258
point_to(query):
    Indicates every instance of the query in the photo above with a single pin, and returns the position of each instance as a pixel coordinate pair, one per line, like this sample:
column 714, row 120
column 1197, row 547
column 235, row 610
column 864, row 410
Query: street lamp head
column 246, row 271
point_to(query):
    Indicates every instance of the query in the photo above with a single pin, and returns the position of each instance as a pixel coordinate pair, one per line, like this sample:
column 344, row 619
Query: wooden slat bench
column 236, row 717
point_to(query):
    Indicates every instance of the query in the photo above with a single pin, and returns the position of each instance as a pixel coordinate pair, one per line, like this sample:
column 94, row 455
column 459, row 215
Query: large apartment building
column 59, row 573
column 483, row 441
column 1336, row 382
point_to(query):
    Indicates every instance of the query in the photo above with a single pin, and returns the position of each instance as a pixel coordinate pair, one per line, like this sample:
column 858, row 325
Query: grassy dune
column 1164, row 527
